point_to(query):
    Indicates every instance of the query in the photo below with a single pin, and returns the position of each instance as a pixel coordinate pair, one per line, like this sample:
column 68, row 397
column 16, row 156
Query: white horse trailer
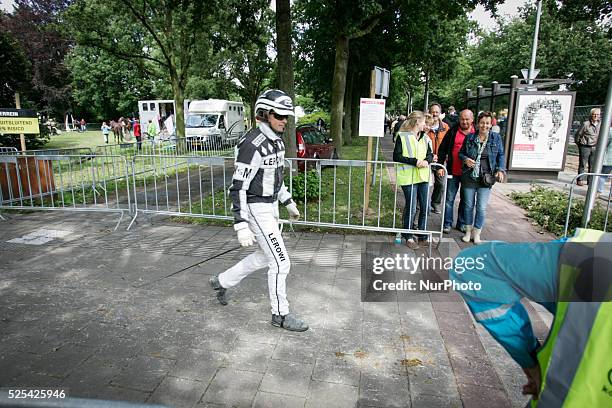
column 214, row 123
column 158, row 111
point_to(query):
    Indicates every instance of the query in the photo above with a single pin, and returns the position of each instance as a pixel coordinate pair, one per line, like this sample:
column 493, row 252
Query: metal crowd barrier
column 8, row 150
column 594, row 179
column 65, row 182
column 193, row 186
column 340, row 201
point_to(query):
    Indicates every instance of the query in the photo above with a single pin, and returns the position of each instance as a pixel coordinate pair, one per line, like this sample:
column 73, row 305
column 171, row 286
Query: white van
column 214, row 123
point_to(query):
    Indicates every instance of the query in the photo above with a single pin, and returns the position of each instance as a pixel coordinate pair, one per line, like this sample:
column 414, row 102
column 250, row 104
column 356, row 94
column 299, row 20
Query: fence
column 8, row 150
column 197, row 187
column 596, row 216
column 64, row 182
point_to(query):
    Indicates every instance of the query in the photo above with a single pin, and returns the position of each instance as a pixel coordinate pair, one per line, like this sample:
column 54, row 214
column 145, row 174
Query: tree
column 163, row 36
column 105, row 86
column 14, row 71
column 34, row 24
column 285, row 67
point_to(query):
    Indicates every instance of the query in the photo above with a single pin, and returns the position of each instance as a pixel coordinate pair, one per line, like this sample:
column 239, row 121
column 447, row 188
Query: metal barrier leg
column 133, row 221
column 119, row 222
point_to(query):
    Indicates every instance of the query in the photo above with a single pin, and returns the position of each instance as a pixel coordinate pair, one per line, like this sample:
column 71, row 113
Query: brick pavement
column 93, row 312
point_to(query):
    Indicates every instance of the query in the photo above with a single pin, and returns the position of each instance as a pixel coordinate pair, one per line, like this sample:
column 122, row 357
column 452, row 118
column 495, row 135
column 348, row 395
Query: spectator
column 83, row 125
column 448, row 154
column 137, row 134
column 451, row 118
column 105, row 131
column 607, row 166
column 586, row 140
column 436, row 134
column 397, row 126
column 560, row 276
column 151, row 129
column 482, row 155
column 414, row 152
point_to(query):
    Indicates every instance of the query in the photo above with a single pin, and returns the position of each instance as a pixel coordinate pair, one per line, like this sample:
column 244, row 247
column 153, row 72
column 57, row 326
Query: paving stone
column 329, row 395
column 286, row 377
column 233, row 388
column 461, row 344
column 436, row 401
column 341, row 370
column 268, row 400
column 475, row 371
column 259, row 331
column 295, row 348
column 474, row 396
column 457, row 322
column 178, row 392
column 197, row 364
column 341, row 341
column 376, row 390
column 250, row 356
column 432, row 380
column 143, row 373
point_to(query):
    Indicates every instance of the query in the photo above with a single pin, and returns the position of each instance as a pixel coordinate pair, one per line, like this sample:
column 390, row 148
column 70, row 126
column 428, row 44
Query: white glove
column 246, row 237
column 294, row 214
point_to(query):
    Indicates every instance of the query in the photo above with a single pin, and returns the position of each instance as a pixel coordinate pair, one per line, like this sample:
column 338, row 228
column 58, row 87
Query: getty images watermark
column 391, row 273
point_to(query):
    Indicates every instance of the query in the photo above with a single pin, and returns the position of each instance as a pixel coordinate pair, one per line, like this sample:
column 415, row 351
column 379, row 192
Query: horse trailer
column 214, row 123
column 158, row 111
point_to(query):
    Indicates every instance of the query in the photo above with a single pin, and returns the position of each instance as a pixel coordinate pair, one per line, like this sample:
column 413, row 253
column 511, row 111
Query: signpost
column 19, row 121
column 372, row 120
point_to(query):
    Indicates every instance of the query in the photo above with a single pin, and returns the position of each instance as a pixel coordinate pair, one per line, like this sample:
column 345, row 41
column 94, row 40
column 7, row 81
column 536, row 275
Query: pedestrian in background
column 448, row 154
column 436, row 134
column 413, row 150
column 482, row 155
column 105, row 131
column 137, row 133
column 586, row 140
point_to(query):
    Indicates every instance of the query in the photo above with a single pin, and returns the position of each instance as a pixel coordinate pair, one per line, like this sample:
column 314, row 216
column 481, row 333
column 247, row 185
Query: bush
column 310, row 190
column 32, row 141
column 312, row 118
column 548, row 208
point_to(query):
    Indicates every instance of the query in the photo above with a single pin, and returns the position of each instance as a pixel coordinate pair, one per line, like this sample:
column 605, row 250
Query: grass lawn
column 69, row 140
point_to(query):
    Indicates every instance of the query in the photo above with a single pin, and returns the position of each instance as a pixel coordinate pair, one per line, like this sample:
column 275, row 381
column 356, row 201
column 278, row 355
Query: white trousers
column 263, row 221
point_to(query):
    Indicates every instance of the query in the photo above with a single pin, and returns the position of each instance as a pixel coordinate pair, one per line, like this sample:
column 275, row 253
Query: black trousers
column 586, row 160
column 436, row 195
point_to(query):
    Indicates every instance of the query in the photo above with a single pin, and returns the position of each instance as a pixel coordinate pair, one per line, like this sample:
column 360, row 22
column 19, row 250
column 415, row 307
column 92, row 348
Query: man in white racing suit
column 257, row 187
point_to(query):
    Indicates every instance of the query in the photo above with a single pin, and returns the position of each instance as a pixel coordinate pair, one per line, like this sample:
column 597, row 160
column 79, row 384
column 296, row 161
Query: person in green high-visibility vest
column 413, row 151
column 572, row 279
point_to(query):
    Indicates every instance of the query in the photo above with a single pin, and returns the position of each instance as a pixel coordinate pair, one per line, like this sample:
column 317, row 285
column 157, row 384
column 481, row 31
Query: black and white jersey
column 258, row 172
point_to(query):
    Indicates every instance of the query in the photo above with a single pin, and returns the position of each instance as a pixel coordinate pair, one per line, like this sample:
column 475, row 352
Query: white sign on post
column 382, row 81
column 372, row 117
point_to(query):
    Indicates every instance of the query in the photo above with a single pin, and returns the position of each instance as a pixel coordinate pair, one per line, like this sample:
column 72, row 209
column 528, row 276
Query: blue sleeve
column 505, row 273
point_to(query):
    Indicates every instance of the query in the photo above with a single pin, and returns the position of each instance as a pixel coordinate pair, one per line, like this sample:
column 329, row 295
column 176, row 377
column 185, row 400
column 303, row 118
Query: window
column 152, row 106
column 145, row 107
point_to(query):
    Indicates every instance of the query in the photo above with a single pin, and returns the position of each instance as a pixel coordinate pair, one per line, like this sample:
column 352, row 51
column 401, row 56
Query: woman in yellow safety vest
column 414, row 153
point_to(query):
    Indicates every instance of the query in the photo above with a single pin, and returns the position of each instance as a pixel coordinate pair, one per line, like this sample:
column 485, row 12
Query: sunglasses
column 280, row 117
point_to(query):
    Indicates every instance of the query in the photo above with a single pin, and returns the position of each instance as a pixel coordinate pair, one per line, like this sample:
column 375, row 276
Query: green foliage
column 14, row 70
column 32, row 141
column 548, row 208
column 313, row 117
column 305, row 185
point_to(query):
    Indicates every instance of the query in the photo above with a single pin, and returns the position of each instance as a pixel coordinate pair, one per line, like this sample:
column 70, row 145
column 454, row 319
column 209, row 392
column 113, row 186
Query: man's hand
column 294, row 214
column 500, row 176
column 470, row 163
column 441, row 173
column 246, row 237
column 533, row 381
column 422, row 163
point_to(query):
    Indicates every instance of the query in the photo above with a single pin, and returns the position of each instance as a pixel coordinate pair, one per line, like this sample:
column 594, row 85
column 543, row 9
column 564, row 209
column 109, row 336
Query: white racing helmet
column 273, row 100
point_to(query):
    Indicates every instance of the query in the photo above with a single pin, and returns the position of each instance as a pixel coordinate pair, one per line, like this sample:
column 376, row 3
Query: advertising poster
column 542, row 127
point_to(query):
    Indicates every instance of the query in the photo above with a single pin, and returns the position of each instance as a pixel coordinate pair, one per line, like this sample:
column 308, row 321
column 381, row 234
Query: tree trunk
column 338, row 88
column 285, row 68
column 348, row 102
column 179, row 99
column 357, row 92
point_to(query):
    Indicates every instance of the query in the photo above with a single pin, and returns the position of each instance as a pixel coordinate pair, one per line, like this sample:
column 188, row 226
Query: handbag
column 488, row 179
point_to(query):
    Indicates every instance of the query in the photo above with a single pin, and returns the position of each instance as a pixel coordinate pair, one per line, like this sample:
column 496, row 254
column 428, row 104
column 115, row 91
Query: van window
column 201, row 120
column 152, row 106
column 145, row 107
column 221, row 122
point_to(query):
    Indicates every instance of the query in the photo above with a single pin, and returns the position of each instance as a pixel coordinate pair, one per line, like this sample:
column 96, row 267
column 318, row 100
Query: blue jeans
column 602, row 180
column 412, row 193
column 452, row 187
column 475, row 197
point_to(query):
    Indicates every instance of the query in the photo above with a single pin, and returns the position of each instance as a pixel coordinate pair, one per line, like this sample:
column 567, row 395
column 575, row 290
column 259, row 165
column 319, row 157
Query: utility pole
column 600, row 150
column 534, row 47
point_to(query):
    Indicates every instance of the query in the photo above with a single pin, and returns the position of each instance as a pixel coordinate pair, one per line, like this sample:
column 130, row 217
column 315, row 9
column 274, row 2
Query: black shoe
column 435, row 210
column 289, row 322
column 221, row 291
